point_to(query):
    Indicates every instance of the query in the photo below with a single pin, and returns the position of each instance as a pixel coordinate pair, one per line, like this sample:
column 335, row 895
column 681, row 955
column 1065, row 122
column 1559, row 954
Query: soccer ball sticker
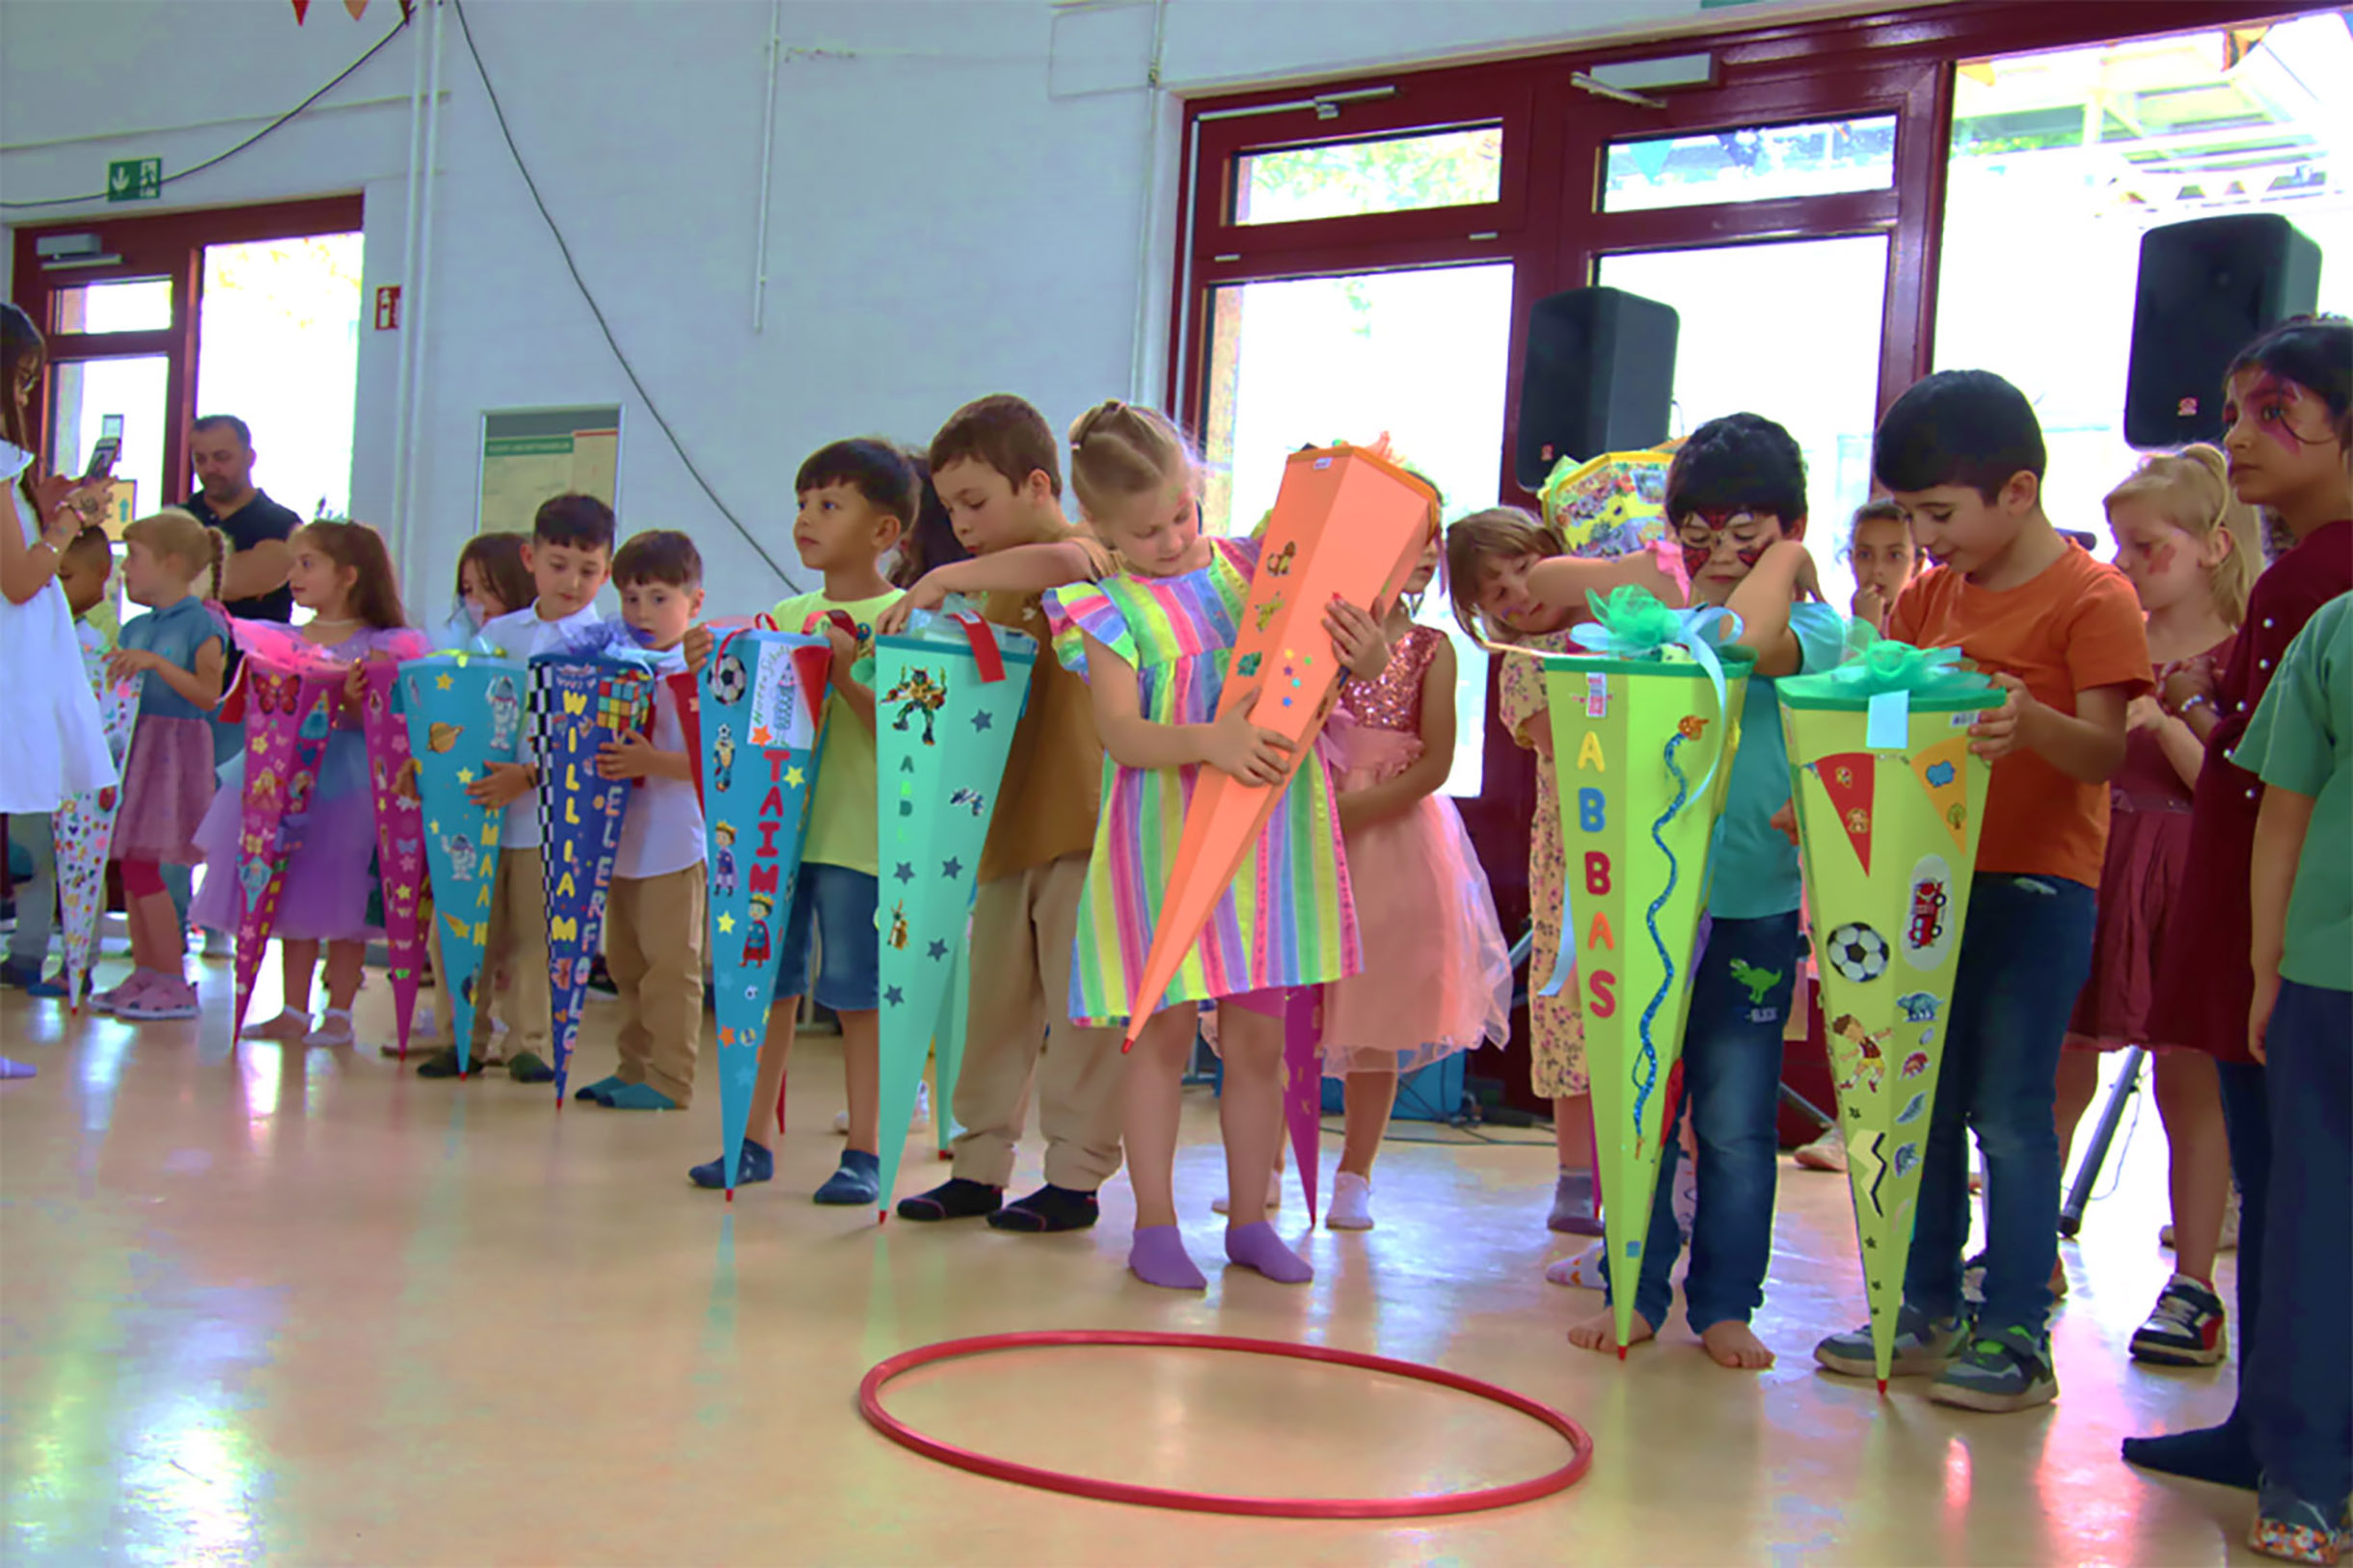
column 1858, row 953
column 728, row 680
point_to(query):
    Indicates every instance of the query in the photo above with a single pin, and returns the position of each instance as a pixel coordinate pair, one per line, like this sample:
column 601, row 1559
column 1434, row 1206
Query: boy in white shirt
column 655, row 915
column 569, row 556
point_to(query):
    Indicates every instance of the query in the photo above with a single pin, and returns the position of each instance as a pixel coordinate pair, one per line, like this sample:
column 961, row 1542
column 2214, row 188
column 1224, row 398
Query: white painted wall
column 968, row 197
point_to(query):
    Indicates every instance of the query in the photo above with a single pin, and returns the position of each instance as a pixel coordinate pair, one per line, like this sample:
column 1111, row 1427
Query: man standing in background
column 252, row 579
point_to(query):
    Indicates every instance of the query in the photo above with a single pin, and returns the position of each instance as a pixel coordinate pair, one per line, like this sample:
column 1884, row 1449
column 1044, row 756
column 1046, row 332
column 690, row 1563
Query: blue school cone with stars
column 1644, row 725
column 948, row 691
column 1889, row 803
column 579, row 703
column 464, row 713
column 760, row 722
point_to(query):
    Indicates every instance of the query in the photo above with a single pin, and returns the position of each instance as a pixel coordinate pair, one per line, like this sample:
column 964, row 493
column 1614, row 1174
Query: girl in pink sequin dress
column 1437, row 976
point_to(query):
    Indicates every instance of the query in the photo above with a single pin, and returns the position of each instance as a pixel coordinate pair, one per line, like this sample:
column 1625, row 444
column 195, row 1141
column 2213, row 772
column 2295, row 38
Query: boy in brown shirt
column 996, row 466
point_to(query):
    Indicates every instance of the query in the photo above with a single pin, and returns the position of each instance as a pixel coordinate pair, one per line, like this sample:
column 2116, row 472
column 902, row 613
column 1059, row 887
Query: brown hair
column 498, row 559
column 1006, row 433
column 1498, row 533
column 94, row 549
column 658, row 555
column 932, row 542
column 1118, row 451
column 20, row 341
column 376, row 592
column 2192, row 490
column 177, row 534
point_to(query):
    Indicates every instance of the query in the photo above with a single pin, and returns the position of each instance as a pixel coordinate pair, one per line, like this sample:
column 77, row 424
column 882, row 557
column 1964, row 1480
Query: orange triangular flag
column 1942, row 770
column 357, row 8
column 1846, row 778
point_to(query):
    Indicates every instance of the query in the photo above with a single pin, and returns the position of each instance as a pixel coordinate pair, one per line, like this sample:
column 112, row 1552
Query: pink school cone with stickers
column 1347, row 524
column 399, row 839
column 82, row 828
column 1303, row 1085
column 289, row 711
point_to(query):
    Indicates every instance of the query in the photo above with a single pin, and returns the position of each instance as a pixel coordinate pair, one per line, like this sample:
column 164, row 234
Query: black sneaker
column 1048, row 1209
column 955, row 1199
column 528, row 1069
column 439, row 1065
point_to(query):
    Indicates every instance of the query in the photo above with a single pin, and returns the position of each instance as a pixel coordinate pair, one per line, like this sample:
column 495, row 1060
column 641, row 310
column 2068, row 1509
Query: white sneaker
column 1583, row 1272
column 1351, row 1204
column 1274, row 1196
column 334, row 1029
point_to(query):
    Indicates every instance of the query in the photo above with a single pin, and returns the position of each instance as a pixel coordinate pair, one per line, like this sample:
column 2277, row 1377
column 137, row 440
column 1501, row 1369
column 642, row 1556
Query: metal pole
column 2096, row 1154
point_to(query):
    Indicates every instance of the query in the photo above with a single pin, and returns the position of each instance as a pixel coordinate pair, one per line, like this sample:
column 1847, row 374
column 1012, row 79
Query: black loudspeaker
column 1600, row 377
column 2208, row 288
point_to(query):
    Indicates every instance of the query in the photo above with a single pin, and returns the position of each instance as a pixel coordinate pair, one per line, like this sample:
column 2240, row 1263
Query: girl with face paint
column 2290, row 417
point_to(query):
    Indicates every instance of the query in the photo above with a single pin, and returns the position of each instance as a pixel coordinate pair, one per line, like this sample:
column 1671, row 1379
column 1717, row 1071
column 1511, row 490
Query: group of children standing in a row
column 1140, row 607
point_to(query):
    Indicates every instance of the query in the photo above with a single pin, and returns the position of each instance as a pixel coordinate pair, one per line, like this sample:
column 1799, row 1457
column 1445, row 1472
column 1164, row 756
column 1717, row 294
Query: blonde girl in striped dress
column 1154, row 643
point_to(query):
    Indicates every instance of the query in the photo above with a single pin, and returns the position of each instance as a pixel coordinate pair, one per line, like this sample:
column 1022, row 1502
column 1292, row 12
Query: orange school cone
column 1346, row 525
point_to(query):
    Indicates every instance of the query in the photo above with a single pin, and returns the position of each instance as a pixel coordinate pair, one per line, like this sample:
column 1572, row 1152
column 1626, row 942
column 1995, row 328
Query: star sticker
column 434, row 826
column 895, row 997
column 939, row 950
column 441, row 682
column 951, row 869
column 725, row 922
column 983, row 721
column 794, row 776
column 906, row 873
column 404, row 891
column 465, row 775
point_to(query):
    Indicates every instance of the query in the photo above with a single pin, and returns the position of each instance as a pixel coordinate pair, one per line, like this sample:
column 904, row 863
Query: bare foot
column 1734, row 1345
column 1600, row 1332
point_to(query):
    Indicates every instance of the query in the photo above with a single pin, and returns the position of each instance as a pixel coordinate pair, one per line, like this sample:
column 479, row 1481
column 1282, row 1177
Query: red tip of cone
column 731, row 1195
column 881, row 1216
column 1621, row 1352
column 1882, row 1388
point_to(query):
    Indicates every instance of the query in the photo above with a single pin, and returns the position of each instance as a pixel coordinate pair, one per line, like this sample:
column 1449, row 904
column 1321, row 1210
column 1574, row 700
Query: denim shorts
column 835, row 905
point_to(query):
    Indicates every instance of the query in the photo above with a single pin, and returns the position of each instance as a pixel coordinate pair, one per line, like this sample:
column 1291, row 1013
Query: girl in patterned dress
column 1152, row 643
column 1508, row 575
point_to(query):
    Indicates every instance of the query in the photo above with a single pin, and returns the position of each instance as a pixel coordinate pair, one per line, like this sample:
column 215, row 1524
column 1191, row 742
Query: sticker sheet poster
column 1643, row 751
column 580, row 704
column 1888, row 838
column 464, row 713
column 1348, row 523
column 760, row 703
column 948, row 694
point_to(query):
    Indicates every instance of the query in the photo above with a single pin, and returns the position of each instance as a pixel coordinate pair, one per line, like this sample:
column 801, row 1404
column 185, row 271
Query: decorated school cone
column 84, row 826
column 401, row 830
column 948, row 1046
column 1348, row 523
column 1644, row 724
column 1303, row 1085
column 579, row 703
column 1888, row 805
column 464, row 713
column 289, row 704
column 948, row 690
column 761, row 704
column 1610, row 505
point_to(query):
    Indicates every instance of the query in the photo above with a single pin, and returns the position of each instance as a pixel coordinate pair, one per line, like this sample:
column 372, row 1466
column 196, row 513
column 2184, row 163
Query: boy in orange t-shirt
column 2062, row 636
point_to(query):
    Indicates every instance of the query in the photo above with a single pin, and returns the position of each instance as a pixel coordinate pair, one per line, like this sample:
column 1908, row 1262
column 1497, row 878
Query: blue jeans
column 2296, row 1373
column 2023, row 957
column 1732, row 1082
column 836, row 905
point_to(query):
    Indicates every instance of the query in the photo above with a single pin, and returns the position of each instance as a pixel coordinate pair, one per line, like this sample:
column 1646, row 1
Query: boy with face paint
column 1736, row 502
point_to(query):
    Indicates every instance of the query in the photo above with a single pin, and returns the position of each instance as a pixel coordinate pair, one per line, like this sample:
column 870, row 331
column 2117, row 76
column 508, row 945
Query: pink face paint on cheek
column 2274, row 399
column 1696, row 559
column 2161, row 558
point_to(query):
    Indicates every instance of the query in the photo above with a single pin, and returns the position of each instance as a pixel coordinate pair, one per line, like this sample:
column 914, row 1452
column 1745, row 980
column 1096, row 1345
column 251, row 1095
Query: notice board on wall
column 530, row 454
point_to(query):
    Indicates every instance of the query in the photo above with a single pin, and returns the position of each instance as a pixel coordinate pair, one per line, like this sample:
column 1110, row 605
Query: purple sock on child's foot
column 1157, row 1256
column 1256, row 1246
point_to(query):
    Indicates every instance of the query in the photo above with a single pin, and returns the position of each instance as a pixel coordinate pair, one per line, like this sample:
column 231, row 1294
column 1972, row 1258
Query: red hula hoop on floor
column 870, row 1404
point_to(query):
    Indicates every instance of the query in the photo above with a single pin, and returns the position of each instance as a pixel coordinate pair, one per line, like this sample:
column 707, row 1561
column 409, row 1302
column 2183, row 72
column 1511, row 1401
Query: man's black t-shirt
column 259, row 519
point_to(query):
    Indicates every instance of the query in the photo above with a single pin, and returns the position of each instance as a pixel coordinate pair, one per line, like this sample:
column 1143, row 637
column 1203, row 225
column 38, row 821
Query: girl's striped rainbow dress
column 1289, row 918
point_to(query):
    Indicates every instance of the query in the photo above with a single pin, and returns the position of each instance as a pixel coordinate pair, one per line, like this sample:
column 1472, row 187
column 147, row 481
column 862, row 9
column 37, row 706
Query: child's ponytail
column 222, row 550
column 1118, row 451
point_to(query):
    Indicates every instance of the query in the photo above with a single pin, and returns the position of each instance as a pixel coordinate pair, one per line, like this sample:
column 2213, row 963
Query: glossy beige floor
column 294, row 1308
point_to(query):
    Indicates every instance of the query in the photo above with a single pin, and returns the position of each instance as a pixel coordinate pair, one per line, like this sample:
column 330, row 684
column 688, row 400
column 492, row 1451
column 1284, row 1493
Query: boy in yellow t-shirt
column 856, row 498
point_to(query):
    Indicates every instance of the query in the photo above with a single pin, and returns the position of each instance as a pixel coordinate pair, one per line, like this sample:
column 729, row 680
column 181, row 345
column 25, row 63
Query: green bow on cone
column 1887, row 678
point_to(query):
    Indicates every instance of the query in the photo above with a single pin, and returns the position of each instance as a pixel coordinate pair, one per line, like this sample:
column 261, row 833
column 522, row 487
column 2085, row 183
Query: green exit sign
column 134, row 180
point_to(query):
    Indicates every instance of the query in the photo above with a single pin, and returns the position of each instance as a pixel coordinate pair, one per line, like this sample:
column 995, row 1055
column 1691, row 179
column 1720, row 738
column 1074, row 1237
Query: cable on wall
column 219, row 158
column 564, row 248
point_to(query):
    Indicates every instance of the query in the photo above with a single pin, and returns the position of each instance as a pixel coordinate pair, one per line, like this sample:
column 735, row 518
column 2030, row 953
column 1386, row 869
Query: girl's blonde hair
column 1499, row 533
column 178, row 535
column 1118, row 451
column 2192, row 490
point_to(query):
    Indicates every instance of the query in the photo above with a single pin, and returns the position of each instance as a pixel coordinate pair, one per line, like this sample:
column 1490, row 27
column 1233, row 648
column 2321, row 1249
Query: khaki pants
column 654, row 940
column 1022, row 930
column 517, row 946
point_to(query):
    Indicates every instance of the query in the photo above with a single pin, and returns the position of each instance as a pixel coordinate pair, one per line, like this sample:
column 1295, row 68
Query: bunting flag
column 289, row 711
column 1846, row 778
column 83, row 828
column 579, row 703
column 760, row 701
column 464, row 713
column 948, row 690
column 1644, row 728
column 1887, row 930
column 400, row 828
column 1348, row 523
